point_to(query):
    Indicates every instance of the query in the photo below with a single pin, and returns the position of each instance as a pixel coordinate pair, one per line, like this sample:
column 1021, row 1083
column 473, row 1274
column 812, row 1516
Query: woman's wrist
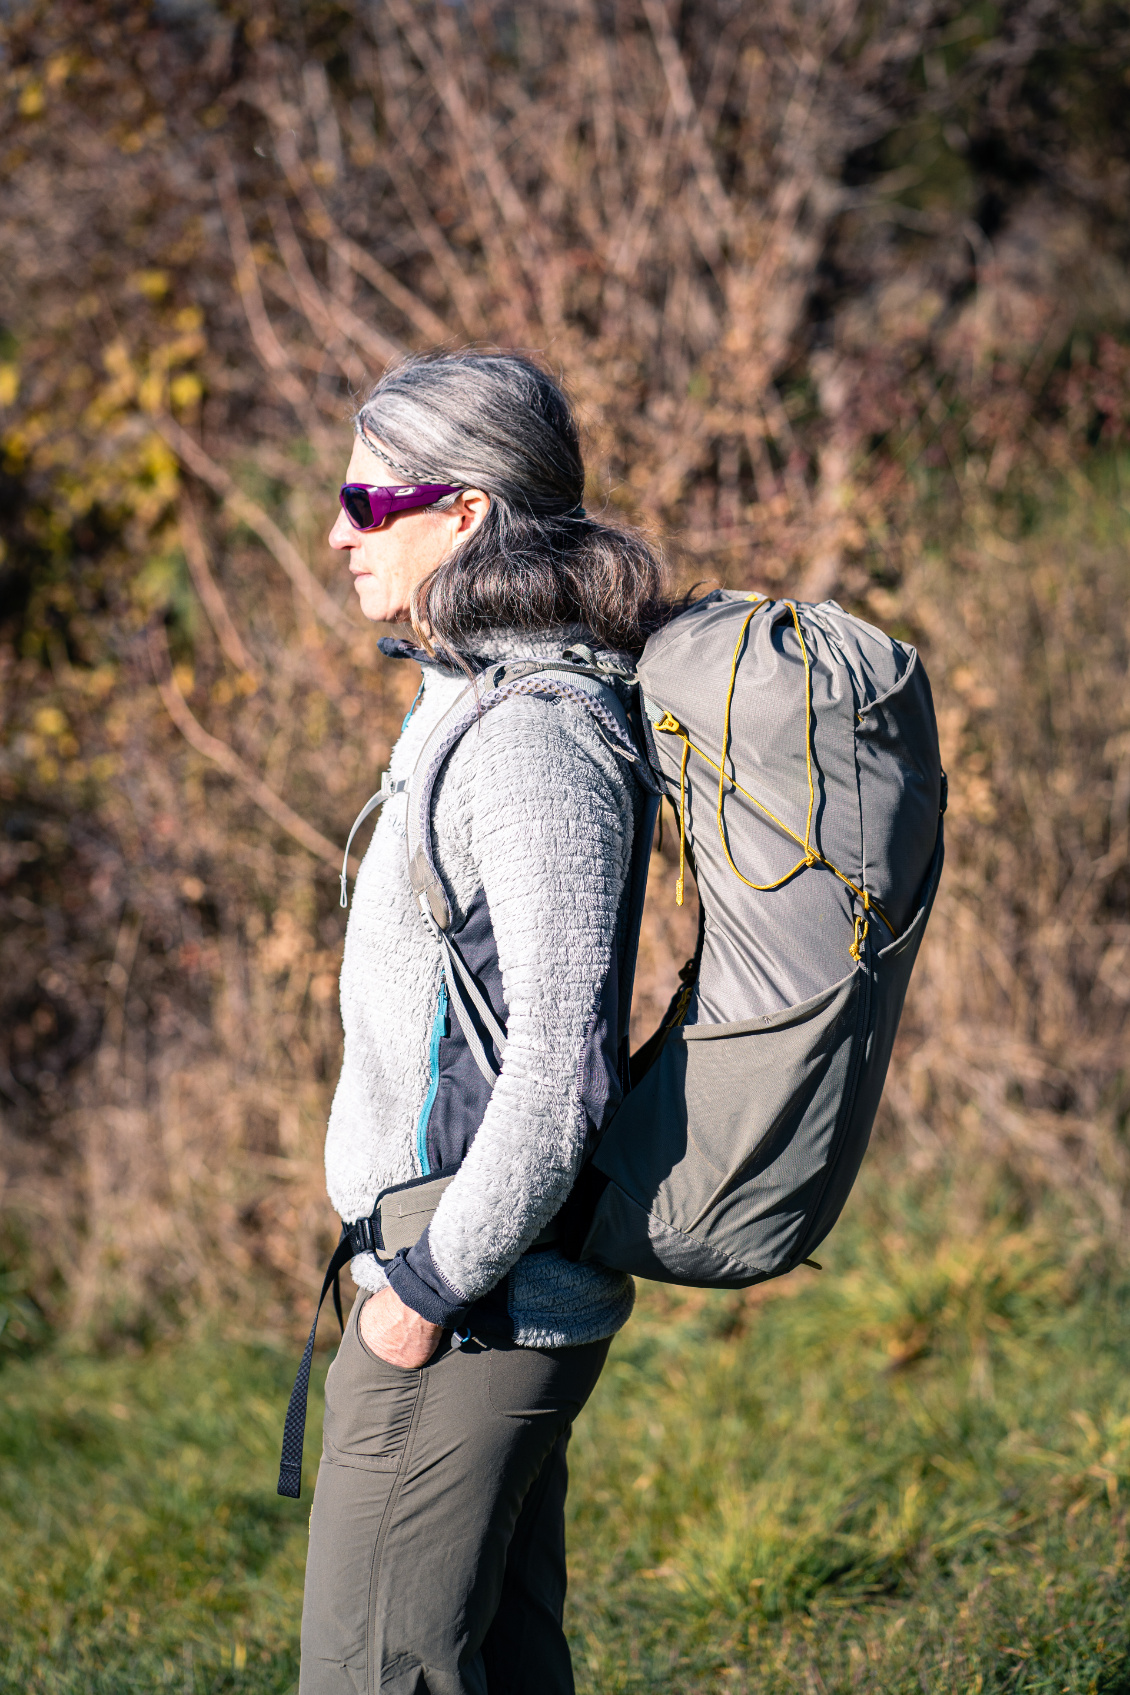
column 395, row 1332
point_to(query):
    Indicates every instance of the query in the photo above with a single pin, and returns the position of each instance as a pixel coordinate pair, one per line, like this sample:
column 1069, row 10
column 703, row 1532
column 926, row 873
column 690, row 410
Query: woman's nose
column 341, row 532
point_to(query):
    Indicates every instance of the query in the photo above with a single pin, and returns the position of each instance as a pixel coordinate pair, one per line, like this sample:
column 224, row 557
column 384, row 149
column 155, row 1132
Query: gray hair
column 494, row 421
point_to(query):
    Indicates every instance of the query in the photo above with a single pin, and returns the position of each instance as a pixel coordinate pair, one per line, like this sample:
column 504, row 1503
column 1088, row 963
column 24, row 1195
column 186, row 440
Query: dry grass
column 906, row 1473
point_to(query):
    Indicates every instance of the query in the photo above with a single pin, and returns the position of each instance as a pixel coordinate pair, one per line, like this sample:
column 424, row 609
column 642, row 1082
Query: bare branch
column 603, row 116
column 444, row 256
column 308, row 295
column 318, row 217
column 195, row 552
column 334, row 322
column 226, row 757
column 626, row 261
column 388, row 69
column 474, row 144
column 267, row 343
column 721, row 73
column 682, row 99
column 190, row 453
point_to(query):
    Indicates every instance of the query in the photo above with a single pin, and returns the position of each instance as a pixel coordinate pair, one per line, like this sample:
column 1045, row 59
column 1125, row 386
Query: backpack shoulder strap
column 583, row 685
column 588, row 688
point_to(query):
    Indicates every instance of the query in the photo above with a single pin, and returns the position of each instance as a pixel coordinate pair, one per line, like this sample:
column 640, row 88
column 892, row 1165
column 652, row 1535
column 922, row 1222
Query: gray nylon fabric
column 877, row 770
column 405, row 1214
column 732, row 1156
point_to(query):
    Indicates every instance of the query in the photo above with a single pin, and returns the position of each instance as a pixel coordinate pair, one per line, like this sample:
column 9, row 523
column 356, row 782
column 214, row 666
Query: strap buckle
column 364, row 1234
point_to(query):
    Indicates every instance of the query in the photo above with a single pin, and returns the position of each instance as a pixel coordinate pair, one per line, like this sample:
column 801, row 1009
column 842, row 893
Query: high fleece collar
column 495, row 645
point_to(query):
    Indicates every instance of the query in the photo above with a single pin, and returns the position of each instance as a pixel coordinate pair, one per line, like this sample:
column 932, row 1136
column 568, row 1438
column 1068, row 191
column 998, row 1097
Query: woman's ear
column 471, row 507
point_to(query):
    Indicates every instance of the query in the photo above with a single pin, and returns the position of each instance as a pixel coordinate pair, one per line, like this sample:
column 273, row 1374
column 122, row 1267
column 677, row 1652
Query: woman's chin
column 372, row 602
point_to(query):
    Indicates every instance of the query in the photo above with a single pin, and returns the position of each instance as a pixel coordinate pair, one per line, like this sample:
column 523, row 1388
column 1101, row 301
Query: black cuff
column 420, row 1285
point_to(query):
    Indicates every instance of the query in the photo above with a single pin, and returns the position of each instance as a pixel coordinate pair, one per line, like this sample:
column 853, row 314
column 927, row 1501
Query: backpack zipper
column 439, row 1031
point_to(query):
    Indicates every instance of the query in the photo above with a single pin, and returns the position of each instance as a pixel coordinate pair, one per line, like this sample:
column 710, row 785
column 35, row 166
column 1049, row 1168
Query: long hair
column 496, row 422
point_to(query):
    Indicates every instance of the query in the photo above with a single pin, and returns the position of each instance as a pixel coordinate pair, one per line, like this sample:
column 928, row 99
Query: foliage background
column 841, row 293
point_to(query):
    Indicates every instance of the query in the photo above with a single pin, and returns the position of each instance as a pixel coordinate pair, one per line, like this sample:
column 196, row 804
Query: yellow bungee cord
column 810, row 855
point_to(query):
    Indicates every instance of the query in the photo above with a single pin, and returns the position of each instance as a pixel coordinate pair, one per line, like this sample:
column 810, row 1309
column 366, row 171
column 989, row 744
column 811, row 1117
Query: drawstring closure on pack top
column 811, row 855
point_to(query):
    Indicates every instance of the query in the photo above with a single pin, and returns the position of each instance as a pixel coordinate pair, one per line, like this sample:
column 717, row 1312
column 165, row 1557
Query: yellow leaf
column 49, row 721
column 115, row 357
column 153, row 284
column 185, row 390
column 182, row 348
column 15, row 446
column 9, row 384
column 151, row 392
column 31, row 101
column 162, row 464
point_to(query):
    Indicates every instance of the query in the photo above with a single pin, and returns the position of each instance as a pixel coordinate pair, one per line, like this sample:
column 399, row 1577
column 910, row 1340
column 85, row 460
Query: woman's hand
column 395, row 1333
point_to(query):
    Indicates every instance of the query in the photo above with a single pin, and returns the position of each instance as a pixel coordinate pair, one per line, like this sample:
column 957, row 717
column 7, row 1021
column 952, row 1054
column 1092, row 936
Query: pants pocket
column 540, row 1382
column 370, row 1406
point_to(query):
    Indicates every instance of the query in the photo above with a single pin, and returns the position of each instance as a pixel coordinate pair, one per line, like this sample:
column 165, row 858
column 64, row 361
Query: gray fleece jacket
column 534, row 809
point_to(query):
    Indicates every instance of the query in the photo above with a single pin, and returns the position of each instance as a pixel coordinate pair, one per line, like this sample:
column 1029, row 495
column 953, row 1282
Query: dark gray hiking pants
column 437, row 1536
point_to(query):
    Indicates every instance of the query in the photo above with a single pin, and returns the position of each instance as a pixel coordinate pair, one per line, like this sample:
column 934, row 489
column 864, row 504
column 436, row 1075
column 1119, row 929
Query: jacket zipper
column 439, row 1031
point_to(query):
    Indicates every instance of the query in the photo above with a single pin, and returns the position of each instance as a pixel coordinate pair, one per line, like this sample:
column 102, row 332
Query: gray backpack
column 799, row 749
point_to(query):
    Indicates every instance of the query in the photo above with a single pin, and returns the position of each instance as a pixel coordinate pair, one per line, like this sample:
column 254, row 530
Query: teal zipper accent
column 413, row 706
column 439, row 1031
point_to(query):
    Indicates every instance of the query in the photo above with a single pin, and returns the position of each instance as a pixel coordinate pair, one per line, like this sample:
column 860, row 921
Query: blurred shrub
column 841, row 296
column 21, row 1321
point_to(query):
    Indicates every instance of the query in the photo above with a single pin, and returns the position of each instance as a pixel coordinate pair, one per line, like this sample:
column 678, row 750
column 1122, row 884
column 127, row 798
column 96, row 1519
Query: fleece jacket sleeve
column 550, row 817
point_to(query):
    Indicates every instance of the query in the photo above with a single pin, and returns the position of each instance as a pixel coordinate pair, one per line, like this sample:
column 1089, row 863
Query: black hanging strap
column 294, row 1430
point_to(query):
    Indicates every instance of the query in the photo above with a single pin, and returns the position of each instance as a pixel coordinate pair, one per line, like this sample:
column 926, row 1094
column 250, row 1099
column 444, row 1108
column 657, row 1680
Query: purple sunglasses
column 367, row 507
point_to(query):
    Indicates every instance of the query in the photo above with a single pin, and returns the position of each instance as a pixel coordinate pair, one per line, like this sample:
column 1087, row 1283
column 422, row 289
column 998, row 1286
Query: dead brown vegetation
column 839, row 293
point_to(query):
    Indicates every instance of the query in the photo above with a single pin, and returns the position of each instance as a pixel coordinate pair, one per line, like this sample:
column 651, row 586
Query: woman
column 437, row 1558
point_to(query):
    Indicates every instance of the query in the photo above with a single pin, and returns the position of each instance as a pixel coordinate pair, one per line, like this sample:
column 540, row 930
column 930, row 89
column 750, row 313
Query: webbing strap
column 294, row 1430
column 387, row 790
column 461, row 988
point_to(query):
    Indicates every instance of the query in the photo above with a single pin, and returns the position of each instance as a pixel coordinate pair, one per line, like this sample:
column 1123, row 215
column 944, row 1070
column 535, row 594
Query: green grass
column 905, row 1473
